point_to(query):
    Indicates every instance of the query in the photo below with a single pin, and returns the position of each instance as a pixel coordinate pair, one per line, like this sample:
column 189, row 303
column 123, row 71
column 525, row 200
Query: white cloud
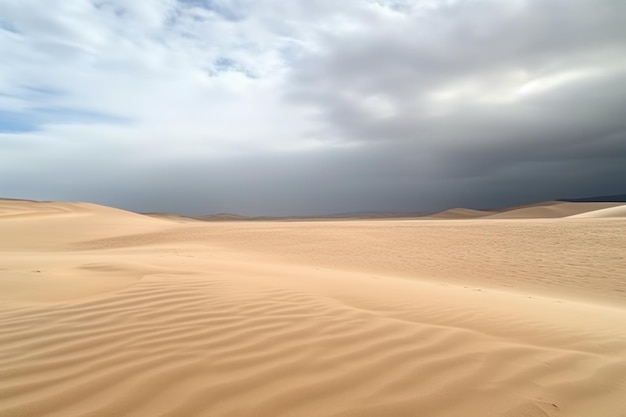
column 165, row 66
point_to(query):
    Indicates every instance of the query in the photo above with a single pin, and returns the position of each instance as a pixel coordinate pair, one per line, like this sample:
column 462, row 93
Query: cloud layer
column 273, row 107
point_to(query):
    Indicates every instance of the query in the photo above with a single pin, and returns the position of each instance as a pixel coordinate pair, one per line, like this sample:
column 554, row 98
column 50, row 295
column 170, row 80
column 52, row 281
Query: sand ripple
column 198, row 347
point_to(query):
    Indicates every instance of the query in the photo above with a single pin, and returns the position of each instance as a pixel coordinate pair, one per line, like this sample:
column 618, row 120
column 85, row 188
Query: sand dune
column 611, row 212
column 34, row 240
column 48, row 224
column 135, row 316
column 459, row 213
column 551, row 209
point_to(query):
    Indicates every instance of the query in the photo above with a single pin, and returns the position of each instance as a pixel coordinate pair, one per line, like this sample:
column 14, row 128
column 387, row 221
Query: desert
column 105, row 312
column 315, row 208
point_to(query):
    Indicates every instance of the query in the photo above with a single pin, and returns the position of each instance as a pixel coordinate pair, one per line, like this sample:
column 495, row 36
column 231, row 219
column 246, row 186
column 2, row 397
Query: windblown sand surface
column 109, row 313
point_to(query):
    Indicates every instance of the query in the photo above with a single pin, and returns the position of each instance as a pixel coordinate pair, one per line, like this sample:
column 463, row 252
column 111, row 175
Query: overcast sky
column 311, row 106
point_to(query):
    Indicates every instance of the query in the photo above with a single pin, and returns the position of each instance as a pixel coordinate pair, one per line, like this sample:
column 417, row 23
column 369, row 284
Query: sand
column 109, row 313
column 609, row 212
column 459, row 213
column 552, row 209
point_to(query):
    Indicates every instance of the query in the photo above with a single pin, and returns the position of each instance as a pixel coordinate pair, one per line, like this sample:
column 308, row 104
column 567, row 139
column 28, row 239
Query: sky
column 277, row 107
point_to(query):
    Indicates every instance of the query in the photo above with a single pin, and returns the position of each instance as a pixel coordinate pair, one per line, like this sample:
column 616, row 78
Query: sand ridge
column 551, row 209
column 476, row 317
column 541, row 210
column 459, row 213
column 609, row 212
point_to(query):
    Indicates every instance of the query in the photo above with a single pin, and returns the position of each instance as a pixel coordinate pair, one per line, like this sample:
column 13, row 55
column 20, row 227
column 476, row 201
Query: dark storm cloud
column 567, row 139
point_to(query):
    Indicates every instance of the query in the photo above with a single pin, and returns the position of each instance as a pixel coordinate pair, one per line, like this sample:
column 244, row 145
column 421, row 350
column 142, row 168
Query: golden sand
column 109, row 313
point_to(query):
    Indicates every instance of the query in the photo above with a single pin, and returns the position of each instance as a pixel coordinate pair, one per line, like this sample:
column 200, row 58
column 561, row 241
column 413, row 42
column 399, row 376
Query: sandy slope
column 362, row 318
column 35, row 264
column 551, row 209
column 611, row 212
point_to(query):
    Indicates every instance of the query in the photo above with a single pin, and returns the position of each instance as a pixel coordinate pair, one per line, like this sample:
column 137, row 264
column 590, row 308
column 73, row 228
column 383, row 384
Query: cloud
column 269, row 107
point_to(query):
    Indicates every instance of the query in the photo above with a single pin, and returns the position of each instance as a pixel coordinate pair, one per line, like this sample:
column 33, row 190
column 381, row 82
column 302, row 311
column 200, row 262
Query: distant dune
column 229, row 217
column 547, row 209
column 459, row 213
column 610, row 212
column 550, row 209
column 107, row 313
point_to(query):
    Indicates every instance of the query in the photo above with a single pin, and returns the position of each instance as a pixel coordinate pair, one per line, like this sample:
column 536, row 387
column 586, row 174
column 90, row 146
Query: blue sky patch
column 41, row 90
column 16, row 122
column 33, row 119
column 225, row 64
column 8, row 26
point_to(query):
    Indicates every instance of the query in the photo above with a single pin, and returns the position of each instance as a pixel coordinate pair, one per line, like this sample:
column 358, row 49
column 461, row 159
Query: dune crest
column 551, row 209
column 606, row 213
